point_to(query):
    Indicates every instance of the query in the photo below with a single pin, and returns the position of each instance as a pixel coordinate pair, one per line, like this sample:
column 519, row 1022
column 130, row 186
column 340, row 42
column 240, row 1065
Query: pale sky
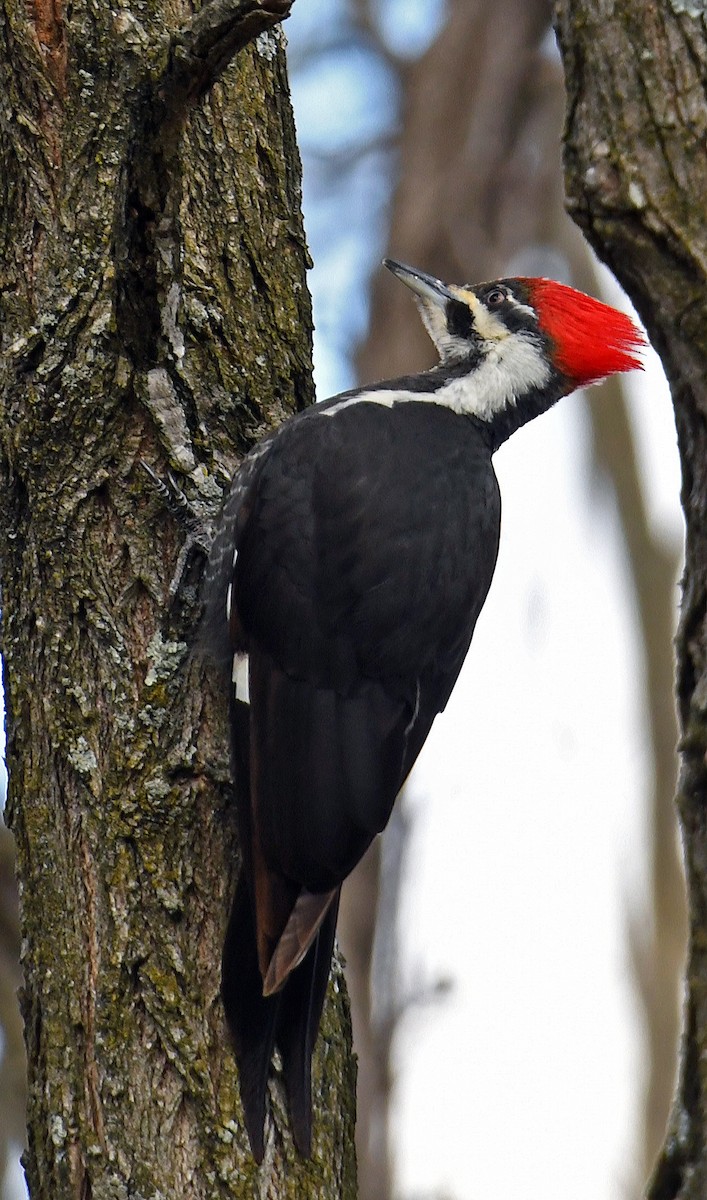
column 529, row 855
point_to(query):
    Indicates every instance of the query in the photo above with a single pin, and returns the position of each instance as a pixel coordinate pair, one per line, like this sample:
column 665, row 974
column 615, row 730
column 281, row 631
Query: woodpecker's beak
column 424, row 286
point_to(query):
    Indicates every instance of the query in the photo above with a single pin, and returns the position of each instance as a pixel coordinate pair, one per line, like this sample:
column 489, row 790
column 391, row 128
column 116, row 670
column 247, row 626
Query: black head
column 516, row 345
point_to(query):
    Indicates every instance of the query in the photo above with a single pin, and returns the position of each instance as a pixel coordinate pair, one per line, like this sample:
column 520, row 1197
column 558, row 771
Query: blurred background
column 515, row 941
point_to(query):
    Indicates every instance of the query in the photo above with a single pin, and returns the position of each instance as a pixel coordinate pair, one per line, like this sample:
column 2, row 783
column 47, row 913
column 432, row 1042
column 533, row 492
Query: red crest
column 589, row 339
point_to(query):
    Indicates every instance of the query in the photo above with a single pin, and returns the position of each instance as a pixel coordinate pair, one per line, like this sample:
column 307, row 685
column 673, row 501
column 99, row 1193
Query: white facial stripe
column 229, row 598
column 524, row 308
column 511, row 368
column 462, row 294
column 480, row 310
column 488, row 326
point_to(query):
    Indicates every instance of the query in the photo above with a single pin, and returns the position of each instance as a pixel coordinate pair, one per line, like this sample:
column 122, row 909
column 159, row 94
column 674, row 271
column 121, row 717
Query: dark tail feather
column 301, row 1003
column 291, row 1016
column 252, row 1017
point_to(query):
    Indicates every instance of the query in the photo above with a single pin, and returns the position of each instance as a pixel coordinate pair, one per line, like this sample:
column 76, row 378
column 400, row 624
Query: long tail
column 289, row 1019
column 251, row 1017
column 301, row 1004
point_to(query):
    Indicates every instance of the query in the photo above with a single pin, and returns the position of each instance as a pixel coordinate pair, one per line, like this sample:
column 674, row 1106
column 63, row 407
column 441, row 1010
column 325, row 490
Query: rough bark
column 657, row 946
column 636, row 180
column 153, row 306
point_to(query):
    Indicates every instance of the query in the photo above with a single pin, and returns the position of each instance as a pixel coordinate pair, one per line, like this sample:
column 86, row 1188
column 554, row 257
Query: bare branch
column 204, row 47
column 636, row 186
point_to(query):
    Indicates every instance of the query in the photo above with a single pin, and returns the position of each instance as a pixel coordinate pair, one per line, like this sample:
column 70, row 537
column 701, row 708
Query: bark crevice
column 131, row 330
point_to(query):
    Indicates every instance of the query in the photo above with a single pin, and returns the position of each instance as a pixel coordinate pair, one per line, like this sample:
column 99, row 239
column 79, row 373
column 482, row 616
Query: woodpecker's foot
column 199, row 534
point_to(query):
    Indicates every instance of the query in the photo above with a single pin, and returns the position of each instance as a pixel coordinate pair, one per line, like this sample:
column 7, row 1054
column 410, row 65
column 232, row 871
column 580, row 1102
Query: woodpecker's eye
column 496, row 298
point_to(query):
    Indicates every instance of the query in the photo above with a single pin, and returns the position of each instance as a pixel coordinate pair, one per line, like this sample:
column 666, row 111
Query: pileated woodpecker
column 353, row 557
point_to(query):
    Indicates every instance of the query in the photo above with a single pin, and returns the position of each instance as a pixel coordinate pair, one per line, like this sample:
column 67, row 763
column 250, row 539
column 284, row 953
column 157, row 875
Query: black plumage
column 367, row 547
column 353, row 558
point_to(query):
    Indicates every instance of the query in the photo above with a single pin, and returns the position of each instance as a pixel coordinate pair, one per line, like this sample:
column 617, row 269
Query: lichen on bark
column 153, row 306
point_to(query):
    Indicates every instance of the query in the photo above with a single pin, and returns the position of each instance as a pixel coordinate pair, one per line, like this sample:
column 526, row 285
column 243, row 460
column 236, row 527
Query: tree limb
column 202, row 49
column 635, row 117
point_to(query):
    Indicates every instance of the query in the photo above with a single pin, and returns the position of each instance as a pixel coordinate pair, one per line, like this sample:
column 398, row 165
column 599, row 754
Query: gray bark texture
column 636, row 181
column 153, row 306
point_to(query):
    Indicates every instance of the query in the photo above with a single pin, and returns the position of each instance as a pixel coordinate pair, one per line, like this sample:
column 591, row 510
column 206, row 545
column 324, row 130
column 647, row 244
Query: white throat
column 512, row 366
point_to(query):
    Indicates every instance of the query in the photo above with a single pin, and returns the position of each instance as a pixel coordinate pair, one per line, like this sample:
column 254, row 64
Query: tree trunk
column 153, row 307
column 487, row 200
column 636, row 182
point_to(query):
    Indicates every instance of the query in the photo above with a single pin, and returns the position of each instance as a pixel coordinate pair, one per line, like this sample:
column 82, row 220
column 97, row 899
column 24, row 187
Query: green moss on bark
column 153, row 306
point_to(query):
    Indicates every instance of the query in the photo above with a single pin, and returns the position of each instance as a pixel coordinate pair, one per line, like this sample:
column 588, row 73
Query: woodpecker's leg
column 199, row 535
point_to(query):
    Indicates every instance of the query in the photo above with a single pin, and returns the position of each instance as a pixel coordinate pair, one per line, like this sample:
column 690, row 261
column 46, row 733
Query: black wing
column 367, row 552
column 366, row 542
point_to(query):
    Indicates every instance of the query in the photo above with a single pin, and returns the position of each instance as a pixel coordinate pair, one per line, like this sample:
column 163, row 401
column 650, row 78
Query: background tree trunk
column 484, row 200
column 153, row 306
column 636, row 182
